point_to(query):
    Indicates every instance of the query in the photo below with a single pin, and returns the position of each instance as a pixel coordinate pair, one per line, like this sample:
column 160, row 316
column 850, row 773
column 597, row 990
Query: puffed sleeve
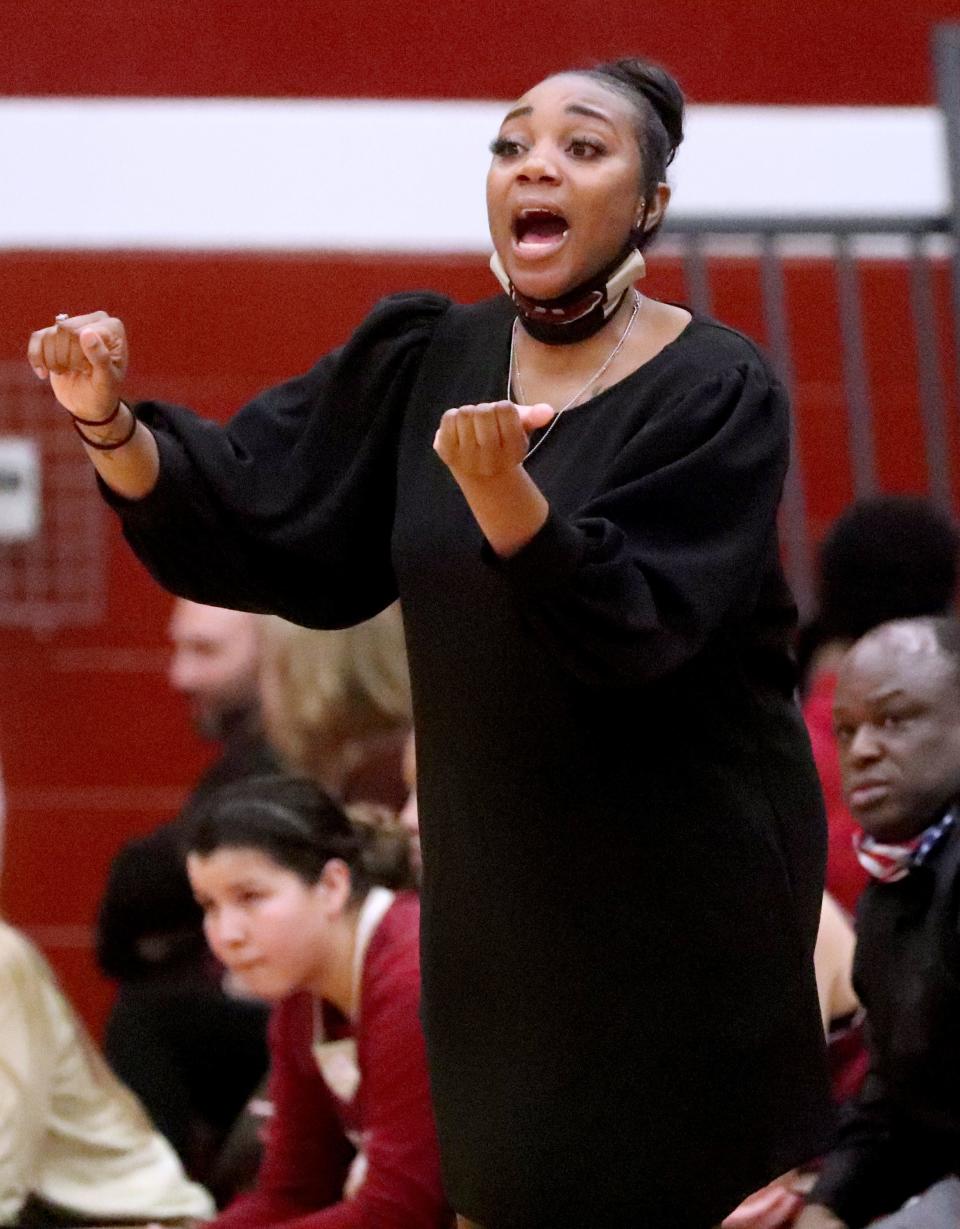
column 288, row 509
column 307, row 1155
column 631, row 586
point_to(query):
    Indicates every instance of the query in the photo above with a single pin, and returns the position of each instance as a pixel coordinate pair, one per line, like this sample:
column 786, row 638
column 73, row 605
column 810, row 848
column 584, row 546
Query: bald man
column 897, row 720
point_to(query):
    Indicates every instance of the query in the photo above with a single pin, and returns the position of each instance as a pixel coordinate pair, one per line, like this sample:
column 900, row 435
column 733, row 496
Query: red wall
column 94, row 746
column 823, row 51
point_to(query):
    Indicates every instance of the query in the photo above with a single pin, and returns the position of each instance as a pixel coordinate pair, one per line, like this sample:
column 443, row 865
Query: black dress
column 621, row 825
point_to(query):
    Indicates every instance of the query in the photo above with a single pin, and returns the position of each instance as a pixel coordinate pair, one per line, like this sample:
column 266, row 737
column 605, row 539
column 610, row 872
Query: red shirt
column 308, row 1154
column 846, row 878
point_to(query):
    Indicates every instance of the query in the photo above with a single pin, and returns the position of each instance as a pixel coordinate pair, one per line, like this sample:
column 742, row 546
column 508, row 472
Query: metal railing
column 924, row 240
column 50, row 583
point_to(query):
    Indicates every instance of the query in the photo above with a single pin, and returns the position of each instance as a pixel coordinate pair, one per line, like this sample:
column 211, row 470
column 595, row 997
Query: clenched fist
column 85, row 358
column 483, row 441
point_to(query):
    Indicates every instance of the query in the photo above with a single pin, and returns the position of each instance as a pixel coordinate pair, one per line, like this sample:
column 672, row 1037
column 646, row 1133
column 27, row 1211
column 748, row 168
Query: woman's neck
column 334, row 981
column 561, row 361
column 554, row 374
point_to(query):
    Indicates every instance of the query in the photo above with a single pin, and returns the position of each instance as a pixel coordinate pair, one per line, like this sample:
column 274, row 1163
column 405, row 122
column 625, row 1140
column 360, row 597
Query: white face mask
column 630, row 270
column 597, row 302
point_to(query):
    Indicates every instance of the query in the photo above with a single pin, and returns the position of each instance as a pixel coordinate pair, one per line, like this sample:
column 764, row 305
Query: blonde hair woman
column 336, row 704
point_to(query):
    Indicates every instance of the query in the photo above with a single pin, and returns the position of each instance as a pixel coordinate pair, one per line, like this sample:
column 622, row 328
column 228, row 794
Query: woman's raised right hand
column 85, row 358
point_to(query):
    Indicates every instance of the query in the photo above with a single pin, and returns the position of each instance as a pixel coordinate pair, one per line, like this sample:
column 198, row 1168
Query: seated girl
column 292, row 912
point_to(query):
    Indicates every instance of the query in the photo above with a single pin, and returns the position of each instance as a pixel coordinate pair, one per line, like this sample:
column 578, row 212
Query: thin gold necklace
column 513, row 373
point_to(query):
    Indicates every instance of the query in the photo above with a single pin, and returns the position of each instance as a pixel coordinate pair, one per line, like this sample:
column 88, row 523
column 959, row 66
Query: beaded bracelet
column 102, row 446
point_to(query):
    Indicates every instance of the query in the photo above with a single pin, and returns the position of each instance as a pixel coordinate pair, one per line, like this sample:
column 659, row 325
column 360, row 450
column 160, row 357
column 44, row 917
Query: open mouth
column 539, row 228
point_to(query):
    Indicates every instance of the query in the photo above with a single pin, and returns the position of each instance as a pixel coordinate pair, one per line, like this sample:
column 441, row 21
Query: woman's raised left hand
column 484, row 441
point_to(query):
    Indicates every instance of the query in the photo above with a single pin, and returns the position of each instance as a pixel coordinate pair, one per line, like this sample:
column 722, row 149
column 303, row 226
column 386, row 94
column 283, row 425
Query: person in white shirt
column 76, row 1147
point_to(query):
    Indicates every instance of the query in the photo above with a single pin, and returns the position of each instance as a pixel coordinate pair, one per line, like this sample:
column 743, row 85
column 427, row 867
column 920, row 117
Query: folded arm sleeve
column 402, row 1187
column 307, row 1154
column 289, row 508
column 632, row 586
column 877, row 1162
column 305, row 1166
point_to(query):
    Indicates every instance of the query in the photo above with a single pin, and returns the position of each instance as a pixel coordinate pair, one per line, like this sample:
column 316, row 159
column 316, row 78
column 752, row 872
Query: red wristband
column 97, row 422
column 107, row 447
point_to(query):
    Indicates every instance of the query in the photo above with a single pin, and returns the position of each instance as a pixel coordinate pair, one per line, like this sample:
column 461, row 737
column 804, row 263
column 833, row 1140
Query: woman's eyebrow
column 579, row 108
column 574, row 108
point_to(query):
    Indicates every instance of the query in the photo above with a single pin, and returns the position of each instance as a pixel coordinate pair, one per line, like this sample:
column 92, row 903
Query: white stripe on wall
column 403, row 176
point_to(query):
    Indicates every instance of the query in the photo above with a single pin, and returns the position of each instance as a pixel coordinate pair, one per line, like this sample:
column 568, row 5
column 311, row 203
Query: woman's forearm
column 132, row 469
column 85, row 359
column 484, row 447
column 509, row 508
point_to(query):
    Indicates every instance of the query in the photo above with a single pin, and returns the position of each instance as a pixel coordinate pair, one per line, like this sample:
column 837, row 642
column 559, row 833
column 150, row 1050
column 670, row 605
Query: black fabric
column 580, row 328
column 148, row 917
column 36, row 1214
column 903, row 1132
column 191, row 1053
column 622, row 830
column 585, row 321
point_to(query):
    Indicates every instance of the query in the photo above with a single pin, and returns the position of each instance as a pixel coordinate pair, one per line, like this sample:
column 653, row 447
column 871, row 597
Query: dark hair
column 888, row 557
column 658, row 101
column 298, row 826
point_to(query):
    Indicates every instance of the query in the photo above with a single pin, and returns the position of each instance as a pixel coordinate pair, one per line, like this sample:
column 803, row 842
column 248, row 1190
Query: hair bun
column 660, row 90
column 384, row 845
